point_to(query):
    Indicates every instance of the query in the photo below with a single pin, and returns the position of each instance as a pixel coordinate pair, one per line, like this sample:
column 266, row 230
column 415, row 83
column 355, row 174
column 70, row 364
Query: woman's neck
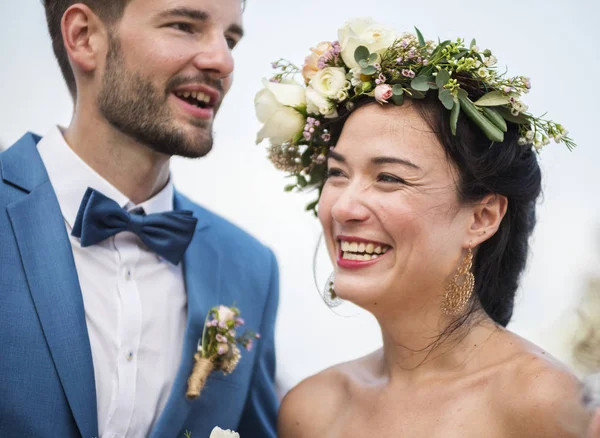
column 416, row 347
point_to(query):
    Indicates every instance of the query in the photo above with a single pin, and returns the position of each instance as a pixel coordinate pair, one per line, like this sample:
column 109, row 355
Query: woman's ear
column 486, row 218
column 84, row 36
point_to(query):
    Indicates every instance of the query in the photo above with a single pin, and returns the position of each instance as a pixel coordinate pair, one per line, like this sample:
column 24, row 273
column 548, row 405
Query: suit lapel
column 47, row 258
column 201, row 265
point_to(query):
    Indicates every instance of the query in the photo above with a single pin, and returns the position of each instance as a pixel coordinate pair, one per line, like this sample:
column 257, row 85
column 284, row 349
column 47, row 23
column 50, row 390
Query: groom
column 106, row 271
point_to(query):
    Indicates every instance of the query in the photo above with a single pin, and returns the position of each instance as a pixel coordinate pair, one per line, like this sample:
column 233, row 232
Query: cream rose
column 329, row 82
column 225, row 314
column 364, row 32
column 217, row 432
column 319, row 104
column 311, row 63
column 275, row 107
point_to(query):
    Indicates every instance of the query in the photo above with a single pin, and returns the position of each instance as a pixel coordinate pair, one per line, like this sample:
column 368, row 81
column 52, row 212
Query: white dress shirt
column 135, row 302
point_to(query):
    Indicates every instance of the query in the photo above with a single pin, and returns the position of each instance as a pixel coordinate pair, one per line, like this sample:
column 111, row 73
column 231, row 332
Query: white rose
column 275, row 108
column 225, row 314
column 217, row 432
column 364, row 32
column 318, row 104
column 329, row 81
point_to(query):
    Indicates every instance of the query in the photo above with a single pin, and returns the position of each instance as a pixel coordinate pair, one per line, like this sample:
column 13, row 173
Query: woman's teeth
column 362, row 251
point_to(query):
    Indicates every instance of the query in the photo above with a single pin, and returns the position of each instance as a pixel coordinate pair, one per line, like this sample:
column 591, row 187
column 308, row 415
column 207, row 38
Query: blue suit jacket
column 46, row 373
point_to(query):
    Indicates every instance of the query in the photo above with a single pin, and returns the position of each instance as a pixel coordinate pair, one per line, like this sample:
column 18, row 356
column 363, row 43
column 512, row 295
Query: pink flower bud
column 383, row 92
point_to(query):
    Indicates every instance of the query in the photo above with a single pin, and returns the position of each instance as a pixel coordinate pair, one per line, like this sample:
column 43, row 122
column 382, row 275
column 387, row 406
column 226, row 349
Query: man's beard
column 134, row 106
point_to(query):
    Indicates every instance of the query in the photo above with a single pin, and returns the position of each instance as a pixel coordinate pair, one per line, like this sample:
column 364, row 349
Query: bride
column 427, row 202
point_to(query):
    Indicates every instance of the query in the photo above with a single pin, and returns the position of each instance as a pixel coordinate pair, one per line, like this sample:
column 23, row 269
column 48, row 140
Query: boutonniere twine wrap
column 218, row 349
column 370, row 61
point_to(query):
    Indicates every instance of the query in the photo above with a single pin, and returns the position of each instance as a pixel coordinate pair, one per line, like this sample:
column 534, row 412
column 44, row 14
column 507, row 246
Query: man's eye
column 184, row 27
column 231, row 42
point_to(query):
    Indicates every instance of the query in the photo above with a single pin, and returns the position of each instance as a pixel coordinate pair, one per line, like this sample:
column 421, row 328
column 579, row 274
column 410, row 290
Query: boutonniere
column 218, row 349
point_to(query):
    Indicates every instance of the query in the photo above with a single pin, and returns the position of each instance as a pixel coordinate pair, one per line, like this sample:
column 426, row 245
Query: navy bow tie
column 167, row 234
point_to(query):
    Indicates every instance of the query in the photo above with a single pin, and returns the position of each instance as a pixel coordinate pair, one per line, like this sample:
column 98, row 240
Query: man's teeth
column 198, row 95
column 362, row 251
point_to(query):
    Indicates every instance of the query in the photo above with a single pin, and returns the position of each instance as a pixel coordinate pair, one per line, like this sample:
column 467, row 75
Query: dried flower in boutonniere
column 218, row 348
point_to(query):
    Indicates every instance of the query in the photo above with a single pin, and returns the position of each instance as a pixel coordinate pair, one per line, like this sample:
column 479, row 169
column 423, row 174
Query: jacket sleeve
column 259, row 418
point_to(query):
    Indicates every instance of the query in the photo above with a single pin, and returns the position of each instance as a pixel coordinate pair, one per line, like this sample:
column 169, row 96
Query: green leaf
column 454, row 116
column 442, row 78
column 519, row 120
column 462, row 94
column 397, row 90
column 493, row 98
column 421, row 82
column 363, row 63
column 307, row 157
column 361, row 53
column 460, row 54
column 495, row 117
column 289, row 187
column 487, row 52
column 415, row 94
column 301, row 181
column 446, row 98
column 490, row 130
column 473, row 43
column 312, row 205
column 398, row 99
column 370, row 70
column 420, row 37
column 373, row 57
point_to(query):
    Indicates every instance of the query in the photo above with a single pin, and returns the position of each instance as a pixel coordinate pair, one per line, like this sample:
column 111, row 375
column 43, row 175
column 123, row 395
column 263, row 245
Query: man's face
column 168, row 67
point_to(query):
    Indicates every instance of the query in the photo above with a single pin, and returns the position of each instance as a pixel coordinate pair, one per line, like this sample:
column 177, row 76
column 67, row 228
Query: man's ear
column 486, row 218
column 84, row 36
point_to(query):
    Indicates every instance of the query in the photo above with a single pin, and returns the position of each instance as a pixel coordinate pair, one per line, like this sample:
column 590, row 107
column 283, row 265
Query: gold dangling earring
column 459, row 290
column 329, row 295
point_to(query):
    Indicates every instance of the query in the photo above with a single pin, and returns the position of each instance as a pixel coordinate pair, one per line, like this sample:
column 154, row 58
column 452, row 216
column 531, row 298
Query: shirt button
column 129, row 356
column 127, row 274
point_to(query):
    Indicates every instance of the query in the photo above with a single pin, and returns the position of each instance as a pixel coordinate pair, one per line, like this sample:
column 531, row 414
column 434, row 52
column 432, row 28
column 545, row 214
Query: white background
column 556, row 43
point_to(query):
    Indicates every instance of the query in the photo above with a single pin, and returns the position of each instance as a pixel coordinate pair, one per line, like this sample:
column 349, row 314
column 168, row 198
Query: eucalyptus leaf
column 493, row 98
column 398, row 99
column 462, row 94
column 289, row 187
column 454, row 116
column 442, row 78
column 361, row 53
column 370, row 70
column 420, row 36
column 446, row 98
column 363, row 63
column 421, row 83
column 397, row 90
column 373, row 57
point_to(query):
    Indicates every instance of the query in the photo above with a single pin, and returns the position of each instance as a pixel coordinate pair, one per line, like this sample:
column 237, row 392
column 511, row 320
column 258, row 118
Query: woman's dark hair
column 506, row 169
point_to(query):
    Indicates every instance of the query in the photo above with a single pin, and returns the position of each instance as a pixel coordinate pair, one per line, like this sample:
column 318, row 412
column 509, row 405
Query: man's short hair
column 109, row 11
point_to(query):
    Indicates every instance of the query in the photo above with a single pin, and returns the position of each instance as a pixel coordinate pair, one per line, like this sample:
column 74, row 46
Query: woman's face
column 393, row 224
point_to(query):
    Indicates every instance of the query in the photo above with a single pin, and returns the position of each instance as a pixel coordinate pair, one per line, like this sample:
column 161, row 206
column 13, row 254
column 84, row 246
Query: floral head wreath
column 372, row 61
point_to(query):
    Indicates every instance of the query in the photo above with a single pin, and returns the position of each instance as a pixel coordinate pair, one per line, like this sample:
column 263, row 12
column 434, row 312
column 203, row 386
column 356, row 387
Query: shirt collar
column 70, row 177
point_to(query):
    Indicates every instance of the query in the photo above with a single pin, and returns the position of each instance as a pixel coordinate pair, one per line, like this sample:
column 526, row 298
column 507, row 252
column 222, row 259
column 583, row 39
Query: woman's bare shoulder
column 538, row 395
column 309, row 408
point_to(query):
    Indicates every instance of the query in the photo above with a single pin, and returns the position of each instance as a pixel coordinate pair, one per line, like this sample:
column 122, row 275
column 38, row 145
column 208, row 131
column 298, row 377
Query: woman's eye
column 387, row 178
column 184, row 27
column 333, row 172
